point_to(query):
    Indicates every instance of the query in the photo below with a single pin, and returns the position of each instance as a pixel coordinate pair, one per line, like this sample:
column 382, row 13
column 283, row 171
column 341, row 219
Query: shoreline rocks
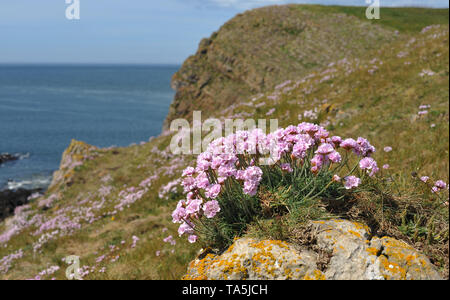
column 6, row 157
column 10, row 199
column 342, row 250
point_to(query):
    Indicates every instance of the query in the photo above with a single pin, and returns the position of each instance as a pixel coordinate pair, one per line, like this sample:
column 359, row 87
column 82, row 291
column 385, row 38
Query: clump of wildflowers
column 227, row 177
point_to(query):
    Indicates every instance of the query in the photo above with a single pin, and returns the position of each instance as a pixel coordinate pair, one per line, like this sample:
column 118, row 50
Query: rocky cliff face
column 340, row 250
column 73, row 156
column 262, row 48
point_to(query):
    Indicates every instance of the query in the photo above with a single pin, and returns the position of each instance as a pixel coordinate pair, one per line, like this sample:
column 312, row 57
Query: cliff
column 261, row 48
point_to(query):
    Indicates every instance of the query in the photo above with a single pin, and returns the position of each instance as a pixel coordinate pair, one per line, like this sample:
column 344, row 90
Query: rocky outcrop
column 10, row 199
column 73, row 156
column 5, row 157
column 342, row 250
column 261, row 48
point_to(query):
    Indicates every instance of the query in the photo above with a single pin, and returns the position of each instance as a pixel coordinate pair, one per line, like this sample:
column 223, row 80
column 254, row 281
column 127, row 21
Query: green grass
column 404, row 19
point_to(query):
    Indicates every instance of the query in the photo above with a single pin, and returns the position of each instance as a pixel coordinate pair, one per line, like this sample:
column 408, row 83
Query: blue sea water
column 43, row 107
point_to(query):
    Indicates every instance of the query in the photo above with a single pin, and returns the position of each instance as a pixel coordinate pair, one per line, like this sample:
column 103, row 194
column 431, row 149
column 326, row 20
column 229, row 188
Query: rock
column 352, row 256
column 73, row 156
column 5, row 157
column 10, row 199
column 251, row 259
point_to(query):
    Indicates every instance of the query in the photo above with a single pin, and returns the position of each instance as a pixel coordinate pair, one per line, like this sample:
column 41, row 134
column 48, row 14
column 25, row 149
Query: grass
column 403, row 19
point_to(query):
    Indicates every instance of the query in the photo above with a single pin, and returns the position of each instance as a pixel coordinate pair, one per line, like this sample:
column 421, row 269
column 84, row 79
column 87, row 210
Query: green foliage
column 404, row 19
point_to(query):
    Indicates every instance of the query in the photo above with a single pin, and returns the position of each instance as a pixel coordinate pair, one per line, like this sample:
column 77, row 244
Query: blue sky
column 125, row 31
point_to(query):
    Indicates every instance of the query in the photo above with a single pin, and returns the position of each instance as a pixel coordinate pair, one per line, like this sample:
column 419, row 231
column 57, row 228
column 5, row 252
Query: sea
column 44, row 107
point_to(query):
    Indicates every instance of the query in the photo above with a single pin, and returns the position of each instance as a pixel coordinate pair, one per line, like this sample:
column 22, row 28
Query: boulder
column 5, row 157
column 349, row 252
column 10, row 199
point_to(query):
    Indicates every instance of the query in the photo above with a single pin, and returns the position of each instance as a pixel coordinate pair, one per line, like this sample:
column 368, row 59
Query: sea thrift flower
column 325, row 149
column 386, row 167
column 336, row 178
column 193, row 206
column 234, row 162
column 336, row 140
column 387, row 149
column 369, row 164
column 335, row 157
column 189, row 171
column 438, row 186
column 352, row 182
column 424, row 178
column 213, row 191
column 286, row 168
column 349, row 144
column 192, row 238
column 185, row 228
column 135, row 240
column 211, row 208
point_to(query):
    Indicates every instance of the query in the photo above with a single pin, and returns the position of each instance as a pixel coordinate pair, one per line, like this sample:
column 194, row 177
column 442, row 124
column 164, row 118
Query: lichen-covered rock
column 353, row 256
column 251, row 259
column 399, row 260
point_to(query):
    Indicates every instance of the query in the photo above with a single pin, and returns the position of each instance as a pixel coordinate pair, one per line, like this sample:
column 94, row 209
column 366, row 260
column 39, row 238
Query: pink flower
column 185, row 228
column 202, row 180
column 336, row 178
column 349, row 144
column 335, row 157
column 286, row 168
column 317, row 161
column 168, row 239
column 364, row 147
column 188, row 184
column 179, row 213
column 386, row 167
column 387, row 149
column 193, row 206
column 213, row 191
column 351, row 182
column 211, row 208
column 325, row 149
column 189, row 171
column 337, row 140
column 369, row 164
column 192, row 238
column 424, row 178
column 438, row 186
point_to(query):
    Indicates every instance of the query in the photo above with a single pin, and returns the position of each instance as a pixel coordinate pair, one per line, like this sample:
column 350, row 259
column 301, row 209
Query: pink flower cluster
column 236, row 158
column 439, row 186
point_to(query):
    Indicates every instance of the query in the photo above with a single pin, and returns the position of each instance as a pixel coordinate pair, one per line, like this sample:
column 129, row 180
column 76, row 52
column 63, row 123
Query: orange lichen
column 317, row 275
column 372, row 250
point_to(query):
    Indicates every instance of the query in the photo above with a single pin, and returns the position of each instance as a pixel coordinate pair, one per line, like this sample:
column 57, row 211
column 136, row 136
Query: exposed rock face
column 352, row 256
column 10, row 199
column 261, row 48
column 73, row 156
column 5, row 157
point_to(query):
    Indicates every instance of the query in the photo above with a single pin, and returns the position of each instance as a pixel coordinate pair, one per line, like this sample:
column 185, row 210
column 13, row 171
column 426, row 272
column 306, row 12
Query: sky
column 126, row 31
